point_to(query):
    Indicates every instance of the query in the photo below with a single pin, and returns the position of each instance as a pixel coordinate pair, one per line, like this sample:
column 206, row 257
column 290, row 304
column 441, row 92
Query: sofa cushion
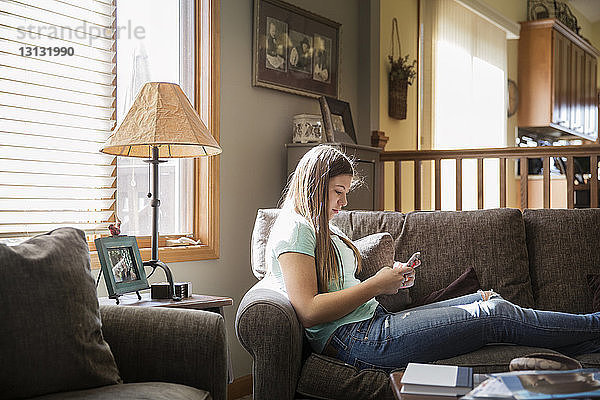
column 355, row 224
column 50, row 334
column 358, row 224
column 492, row 358
column 563, row 249
column 593, row 281
column 265, row 218
column 465, row 284
column 134, row 391
column 491, row 241
column 324, row 377
column 377, row 251
column 591, row 360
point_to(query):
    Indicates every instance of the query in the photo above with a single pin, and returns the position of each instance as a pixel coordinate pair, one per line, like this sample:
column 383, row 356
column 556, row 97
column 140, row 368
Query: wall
column 402, row 133
column 255, row 126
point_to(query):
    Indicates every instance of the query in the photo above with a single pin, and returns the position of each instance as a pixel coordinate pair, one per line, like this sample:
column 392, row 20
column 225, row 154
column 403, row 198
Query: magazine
column 577, row 383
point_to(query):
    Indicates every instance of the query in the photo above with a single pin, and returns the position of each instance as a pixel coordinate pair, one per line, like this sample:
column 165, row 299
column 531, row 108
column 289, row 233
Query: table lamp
column 161, row 123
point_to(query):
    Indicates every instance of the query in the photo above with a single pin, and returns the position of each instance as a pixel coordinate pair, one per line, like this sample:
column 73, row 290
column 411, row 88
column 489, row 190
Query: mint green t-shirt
column 293, row 233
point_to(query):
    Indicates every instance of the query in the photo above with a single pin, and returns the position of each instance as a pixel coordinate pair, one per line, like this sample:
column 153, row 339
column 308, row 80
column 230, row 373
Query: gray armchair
column 188, row 347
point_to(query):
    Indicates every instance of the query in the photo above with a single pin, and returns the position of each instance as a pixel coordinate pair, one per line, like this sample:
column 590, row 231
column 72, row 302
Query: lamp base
column 159, row 264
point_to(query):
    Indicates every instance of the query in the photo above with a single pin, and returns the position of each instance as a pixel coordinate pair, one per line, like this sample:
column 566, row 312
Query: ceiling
column 589, row 8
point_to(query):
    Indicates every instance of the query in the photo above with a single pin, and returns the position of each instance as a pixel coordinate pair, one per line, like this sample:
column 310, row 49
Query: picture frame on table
column 295, row 50
column 337, row 120
column 121, row 265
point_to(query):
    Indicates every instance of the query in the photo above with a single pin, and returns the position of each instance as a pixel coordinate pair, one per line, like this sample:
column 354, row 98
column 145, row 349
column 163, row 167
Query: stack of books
column 438, row 381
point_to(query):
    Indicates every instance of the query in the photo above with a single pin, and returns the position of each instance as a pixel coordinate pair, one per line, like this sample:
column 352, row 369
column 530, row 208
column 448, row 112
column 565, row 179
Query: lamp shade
column 161, row 116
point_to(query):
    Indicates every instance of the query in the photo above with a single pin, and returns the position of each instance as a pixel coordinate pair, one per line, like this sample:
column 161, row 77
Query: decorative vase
column 307, row 128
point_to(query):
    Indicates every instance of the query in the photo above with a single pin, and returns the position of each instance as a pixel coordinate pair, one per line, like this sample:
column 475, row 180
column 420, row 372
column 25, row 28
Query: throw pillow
column 467, row 283
column 377, row 251
column 593, row 281
column 50, row 334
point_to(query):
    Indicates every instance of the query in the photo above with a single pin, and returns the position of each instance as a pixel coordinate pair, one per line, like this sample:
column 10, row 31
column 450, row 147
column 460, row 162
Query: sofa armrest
column 168, row 345
column 268, row 328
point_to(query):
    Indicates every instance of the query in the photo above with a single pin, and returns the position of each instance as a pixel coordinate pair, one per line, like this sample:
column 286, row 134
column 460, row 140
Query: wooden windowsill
column 171, row 254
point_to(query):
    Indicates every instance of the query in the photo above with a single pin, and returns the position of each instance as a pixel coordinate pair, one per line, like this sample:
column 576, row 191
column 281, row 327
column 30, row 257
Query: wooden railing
column 502, row 154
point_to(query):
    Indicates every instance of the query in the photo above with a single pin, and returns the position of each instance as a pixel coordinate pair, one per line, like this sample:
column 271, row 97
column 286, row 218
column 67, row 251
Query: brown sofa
column 538, row 258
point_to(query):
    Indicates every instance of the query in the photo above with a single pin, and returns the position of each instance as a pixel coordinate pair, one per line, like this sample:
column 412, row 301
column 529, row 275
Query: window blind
column 57, row 107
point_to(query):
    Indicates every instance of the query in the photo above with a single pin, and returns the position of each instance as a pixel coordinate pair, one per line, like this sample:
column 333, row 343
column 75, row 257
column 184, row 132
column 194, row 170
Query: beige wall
column 255, row 125
column 402, row 133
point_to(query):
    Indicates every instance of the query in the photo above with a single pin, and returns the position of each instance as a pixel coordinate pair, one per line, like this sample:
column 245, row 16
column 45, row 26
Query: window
column 59, row 106
column 177, row 45
column 56, row 109
column 464, row 61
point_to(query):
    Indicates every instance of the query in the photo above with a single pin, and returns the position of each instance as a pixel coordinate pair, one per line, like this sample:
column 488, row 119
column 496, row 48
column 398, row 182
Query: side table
column 196, row 302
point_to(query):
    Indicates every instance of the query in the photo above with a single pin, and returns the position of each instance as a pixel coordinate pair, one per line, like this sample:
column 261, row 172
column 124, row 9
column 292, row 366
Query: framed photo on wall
column 121, row 265
column 295, row 50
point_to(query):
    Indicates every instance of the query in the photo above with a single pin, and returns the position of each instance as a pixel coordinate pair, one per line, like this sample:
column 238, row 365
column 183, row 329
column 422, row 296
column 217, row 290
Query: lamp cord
column 98, row 278
column 149, row 193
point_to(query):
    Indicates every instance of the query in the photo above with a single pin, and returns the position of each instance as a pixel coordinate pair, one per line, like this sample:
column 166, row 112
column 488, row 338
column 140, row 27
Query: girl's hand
column 390, row 280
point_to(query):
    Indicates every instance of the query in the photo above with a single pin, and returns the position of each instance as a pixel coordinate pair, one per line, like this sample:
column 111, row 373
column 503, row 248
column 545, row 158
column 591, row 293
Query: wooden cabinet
column 366, row 162
column 557, row 82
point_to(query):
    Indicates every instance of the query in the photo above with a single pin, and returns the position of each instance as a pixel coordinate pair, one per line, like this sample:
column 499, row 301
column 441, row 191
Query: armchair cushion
column 50, row 329
column 133, row 391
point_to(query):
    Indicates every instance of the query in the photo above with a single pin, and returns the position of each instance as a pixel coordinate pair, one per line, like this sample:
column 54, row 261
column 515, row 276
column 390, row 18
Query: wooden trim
column 570, row 177
column 508, row 152
column 417, row 205
column 562, row 28
column 207, row 171
column 594, row 181
column 458, row 184
column 503, row 154
column 438, row 183
column 502, row 182
column 546, row 172
column 524, row 183
column 113, row 48
column 240, row 387
column 480, row 183
column 397, row 186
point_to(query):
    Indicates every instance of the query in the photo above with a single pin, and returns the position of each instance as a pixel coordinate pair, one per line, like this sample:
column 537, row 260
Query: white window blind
column 57, row 107
column 464, row 89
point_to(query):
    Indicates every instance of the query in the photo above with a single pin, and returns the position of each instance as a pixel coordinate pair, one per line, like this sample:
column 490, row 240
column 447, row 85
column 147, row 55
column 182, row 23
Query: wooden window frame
column 206, row 169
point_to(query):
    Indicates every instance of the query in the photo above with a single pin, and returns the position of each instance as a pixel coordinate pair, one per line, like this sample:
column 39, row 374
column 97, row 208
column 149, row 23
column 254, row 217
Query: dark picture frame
column 337, row 120
column 295, row 50
column 121, row 265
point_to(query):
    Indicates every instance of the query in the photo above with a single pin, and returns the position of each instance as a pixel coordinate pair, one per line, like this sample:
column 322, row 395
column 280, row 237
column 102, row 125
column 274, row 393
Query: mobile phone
column 413, row 259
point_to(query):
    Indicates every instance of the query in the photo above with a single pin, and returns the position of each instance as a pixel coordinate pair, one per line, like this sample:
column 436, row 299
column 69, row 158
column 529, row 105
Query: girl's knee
column 488, row 294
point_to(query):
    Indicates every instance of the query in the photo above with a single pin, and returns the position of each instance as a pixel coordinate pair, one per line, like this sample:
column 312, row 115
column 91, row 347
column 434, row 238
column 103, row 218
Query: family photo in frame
column 121, row 265
column 295, row 50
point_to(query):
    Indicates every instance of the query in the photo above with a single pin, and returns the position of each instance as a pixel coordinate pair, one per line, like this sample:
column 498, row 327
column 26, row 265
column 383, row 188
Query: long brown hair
column 308, row 194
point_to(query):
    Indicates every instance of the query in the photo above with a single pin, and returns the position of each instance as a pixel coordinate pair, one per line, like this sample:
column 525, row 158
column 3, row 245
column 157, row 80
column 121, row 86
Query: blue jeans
column 457, row 326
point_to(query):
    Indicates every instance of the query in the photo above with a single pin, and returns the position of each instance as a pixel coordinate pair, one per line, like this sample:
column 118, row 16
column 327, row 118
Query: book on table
column 543, row 385
column 437, row 380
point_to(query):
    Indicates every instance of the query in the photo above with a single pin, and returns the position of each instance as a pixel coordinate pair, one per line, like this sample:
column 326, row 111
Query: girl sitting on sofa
column 315, row 263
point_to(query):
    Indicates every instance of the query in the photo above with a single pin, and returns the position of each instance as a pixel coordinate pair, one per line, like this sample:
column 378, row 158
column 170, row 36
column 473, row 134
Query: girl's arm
column 313, row 308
